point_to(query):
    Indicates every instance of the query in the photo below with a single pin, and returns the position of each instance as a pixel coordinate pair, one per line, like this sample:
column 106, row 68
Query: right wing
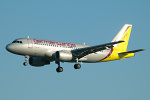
column 79, row 53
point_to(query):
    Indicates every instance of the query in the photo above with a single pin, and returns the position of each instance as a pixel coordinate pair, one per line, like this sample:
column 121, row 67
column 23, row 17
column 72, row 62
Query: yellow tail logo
column 123, row 35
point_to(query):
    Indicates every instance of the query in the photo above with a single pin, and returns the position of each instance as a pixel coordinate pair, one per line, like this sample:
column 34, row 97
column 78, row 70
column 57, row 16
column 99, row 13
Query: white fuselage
column 47, row 49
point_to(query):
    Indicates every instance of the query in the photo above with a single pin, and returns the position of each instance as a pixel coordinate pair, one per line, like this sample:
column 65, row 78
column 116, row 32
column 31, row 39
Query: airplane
column 42, row 52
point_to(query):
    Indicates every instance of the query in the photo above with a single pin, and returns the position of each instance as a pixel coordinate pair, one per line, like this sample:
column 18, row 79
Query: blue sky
column 91, row 21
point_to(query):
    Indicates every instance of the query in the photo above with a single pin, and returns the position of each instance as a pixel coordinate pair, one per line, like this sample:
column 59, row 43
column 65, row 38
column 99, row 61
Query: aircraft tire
column 25, row 63
column 59, row 69
column 77, row 66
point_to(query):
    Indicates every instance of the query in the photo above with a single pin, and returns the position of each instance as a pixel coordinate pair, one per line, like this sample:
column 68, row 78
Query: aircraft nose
column 9, row 48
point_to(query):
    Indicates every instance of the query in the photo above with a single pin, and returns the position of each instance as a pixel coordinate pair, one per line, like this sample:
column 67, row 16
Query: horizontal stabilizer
column 134, row 51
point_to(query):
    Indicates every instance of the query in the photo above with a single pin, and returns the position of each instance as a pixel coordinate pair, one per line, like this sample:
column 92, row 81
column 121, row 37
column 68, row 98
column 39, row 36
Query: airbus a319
column 42, row 52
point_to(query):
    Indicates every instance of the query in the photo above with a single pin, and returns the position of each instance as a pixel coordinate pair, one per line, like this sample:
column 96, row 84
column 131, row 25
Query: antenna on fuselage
column 28, row 37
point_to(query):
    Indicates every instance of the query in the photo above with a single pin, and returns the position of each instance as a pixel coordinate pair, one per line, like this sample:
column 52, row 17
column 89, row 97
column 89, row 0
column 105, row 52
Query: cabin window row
column 57, row 46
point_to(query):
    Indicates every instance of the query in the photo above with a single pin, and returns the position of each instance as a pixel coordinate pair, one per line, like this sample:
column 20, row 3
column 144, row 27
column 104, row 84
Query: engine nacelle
column 38, row 61
column 63, row 56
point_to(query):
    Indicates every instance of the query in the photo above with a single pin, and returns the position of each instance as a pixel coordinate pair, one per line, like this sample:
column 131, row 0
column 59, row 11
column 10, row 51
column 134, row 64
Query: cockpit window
column 14, row 42
column 17, row 42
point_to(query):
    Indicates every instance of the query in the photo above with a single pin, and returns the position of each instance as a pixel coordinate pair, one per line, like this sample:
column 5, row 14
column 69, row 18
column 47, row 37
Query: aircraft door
column 30, row 43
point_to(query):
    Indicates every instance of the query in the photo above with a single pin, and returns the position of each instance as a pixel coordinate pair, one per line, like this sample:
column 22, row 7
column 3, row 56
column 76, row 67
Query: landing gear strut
column 77, row 66
column 59, row 69
column 26, row 59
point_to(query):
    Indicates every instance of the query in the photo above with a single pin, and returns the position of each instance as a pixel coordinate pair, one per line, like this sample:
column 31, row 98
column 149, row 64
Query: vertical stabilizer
column 123, row 35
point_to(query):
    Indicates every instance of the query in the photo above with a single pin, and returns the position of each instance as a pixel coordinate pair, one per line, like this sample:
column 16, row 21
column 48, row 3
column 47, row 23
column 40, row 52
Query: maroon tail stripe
column 108, row 54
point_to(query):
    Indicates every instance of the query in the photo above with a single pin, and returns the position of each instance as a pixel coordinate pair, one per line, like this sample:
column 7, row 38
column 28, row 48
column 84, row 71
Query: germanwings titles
column 54, row 43
column 42, row 52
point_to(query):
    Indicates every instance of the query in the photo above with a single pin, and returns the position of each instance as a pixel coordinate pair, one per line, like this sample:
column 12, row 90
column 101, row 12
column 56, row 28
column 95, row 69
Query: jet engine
column 63, row 56
column 38, row 61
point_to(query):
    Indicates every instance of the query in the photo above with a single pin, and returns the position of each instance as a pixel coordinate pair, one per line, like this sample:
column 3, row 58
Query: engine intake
column 38, row 61
column 63, row 56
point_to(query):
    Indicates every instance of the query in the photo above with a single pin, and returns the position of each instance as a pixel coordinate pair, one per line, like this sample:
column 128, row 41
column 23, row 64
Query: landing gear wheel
column 25, row 63
column 77, row 66
column 59, row 69
column 26, row 59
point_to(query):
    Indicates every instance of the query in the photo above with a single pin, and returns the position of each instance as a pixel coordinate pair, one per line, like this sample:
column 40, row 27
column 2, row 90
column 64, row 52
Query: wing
column 79, row 53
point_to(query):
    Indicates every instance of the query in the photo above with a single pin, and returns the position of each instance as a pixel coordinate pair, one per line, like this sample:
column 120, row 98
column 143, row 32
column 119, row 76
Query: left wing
column 79, row 53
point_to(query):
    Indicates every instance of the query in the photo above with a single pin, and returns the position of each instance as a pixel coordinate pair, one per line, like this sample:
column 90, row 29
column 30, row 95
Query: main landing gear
column 60, row 69
column 26, row 59
column 77, row 66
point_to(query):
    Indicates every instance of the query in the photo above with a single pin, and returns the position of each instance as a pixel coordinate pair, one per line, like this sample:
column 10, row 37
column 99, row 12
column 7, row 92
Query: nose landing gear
column 26, row 59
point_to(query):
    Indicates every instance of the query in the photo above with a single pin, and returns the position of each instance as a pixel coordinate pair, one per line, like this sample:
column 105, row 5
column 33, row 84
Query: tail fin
column 123, row 35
